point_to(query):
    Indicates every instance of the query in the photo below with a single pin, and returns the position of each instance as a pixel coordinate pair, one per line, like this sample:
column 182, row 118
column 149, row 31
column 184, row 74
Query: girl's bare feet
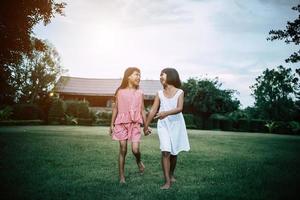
column 141, row 167
column 165, row 186
column 173, row 179
column 122, row 180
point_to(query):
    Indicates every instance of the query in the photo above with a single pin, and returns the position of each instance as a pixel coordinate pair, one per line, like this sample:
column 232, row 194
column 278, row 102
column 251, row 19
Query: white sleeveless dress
column 171, row 130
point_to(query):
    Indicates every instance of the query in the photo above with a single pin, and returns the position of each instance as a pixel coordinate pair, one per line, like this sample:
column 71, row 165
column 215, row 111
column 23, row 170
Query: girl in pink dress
column 127, row 116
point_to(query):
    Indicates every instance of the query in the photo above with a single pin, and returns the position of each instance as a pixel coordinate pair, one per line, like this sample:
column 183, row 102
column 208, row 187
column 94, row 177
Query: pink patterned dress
column 129, row 117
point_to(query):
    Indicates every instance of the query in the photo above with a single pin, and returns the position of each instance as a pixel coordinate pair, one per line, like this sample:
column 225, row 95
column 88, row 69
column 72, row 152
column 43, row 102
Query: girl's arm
column 153, row 111
column 143, row 111
column 113, row 116
column 174, row 111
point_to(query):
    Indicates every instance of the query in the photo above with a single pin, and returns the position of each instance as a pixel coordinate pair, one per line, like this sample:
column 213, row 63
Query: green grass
column 67, row 162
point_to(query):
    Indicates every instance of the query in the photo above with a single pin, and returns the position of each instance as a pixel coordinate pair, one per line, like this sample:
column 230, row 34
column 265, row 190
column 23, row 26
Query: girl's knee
column 165, row 154
column 135, row 151
column 123, row 151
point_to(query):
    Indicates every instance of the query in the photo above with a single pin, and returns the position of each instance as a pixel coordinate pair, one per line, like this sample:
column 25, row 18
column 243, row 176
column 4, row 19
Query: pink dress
column 129, row 118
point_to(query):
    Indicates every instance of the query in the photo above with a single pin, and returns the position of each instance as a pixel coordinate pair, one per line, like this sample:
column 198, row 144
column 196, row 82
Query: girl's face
column 163, row 78
column 134, row 78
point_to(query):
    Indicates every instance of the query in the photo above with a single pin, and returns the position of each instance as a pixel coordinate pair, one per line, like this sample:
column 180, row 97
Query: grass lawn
column 68, row 162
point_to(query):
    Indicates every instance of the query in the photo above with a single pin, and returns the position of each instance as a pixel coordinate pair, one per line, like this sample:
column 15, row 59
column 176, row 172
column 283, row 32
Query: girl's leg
column 135, row 146
column 122, row 155
column 165, row 161
column 173, row 161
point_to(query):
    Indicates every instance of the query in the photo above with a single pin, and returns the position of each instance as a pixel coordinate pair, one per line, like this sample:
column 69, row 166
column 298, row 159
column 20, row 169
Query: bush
column 56, row 113
column 70, row 120
column 226, row 125
column 257, row 125
column 283, row 128
column 6, row 113
column 243, row 125
column 101, row 118
column 217, row 122
column 85, row 121
column 78, row 109
column 26, row 112
column 189, row 121
column 295, row 127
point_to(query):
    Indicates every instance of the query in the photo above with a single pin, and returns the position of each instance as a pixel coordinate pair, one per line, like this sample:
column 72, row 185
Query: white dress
column 171, row 130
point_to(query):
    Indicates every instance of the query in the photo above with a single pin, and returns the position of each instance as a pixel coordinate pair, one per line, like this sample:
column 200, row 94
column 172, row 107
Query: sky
column 199, row 38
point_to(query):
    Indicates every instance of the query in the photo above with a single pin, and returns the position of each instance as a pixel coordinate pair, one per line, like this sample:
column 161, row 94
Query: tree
column 274, row 93
column 204, row 97
column 36, row 75
column 290, row 34
column 17, row 19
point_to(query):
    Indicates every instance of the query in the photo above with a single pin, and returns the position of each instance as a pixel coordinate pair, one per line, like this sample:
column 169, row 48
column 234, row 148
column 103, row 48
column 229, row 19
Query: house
column 99, row 92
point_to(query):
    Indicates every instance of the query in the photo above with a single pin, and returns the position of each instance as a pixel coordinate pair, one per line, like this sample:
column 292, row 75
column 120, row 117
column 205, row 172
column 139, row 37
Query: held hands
column 161, row 115
column 147, row 130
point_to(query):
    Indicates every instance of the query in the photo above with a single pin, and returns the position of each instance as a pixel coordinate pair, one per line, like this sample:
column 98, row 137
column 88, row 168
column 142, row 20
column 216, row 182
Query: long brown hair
column 127, row 73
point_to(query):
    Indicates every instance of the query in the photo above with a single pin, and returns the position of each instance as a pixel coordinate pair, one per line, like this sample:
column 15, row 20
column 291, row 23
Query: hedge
column 26, row 112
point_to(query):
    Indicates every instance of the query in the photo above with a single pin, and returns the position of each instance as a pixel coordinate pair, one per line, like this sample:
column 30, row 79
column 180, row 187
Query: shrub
column 85, row 121
column 283, row 128
column 257, row 125
column 6, row 113
column 70, row 120
column 218, row 122
column 226, row 125
column 26, row 112
column 243, row 125
column 83, row 110
column 189, row 121
column 78, row 109
column 295, row 127
column 105, row 118
column 56, row 112
column 271, row 126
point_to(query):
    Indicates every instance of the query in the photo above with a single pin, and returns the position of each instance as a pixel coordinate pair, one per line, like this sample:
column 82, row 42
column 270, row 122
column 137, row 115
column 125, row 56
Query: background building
column 99, row 92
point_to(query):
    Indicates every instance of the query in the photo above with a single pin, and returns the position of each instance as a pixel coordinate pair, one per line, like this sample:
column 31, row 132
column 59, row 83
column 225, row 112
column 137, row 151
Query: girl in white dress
column 170, row 126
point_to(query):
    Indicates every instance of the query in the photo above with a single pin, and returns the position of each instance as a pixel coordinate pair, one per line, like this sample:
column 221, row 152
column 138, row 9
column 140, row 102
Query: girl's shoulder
column 160, row 93
column 130, row 91
column 179, row 91
column 140, row 91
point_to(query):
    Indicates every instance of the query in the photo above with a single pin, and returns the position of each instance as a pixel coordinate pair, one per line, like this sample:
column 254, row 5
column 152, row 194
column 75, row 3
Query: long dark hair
column 127, row 73
column 172, row 77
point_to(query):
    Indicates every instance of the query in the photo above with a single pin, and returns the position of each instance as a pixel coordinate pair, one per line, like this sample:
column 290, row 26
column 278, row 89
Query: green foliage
column 190, row 121
column 6, row 113
column 57, row 111
column 26, row 112
column 251, row 112
column 71, row 120
column 35, row 76
column 17, row 19
column 79, row 109
column 274, row 92
column 204, row 97
column 238, row 114
column 290, row 35
column 103, row 118
column 271, row 126
column 295, row 126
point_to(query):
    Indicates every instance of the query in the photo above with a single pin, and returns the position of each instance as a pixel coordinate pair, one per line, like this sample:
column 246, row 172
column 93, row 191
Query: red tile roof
column 100, row 87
